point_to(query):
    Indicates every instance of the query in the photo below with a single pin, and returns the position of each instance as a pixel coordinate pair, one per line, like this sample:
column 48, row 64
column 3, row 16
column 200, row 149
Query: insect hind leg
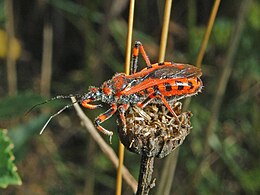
column 154, row 95
column 138, row 47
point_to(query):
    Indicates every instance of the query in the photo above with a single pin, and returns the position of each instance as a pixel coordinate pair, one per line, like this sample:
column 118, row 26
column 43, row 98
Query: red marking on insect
column 161, row 83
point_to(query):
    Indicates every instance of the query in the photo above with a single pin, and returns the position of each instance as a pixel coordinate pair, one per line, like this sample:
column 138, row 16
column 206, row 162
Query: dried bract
column 153, row 131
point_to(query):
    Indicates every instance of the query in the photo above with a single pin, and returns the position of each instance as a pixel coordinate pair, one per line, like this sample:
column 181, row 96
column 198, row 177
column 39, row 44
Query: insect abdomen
column 175, row 87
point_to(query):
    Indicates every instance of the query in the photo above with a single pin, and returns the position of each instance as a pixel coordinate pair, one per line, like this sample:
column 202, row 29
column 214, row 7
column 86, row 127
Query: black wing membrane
column 175, row 71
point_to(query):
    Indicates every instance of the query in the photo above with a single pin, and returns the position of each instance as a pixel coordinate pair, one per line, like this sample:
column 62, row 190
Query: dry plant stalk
column 221, row 87
column 167, row 179
column 108, row 151
column 10, row 60
column 121, row 148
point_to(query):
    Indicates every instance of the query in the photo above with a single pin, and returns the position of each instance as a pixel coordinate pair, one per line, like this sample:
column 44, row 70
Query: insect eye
column 106, row 88
column 93, row 89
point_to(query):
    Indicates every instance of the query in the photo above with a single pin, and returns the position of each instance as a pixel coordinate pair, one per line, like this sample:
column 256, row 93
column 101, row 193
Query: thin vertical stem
column 204, row 43
column 145, row 183
column 129, row 36
column 172, row 157
column 127, row 70
column 168, row 173
column 165, row 27
column 221, row 87
column 207, row 34
column 47, row 59
column 10, row 60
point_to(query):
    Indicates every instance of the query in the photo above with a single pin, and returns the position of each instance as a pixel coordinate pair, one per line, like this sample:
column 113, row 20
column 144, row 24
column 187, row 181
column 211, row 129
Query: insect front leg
column 86, row 104
column 101, row 118
column 122, row 109
column 138, row 47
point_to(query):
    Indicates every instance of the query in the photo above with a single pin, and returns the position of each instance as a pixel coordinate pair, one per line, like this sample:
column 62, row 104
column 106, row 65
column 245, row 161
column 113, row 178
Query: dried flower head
column 153, row 131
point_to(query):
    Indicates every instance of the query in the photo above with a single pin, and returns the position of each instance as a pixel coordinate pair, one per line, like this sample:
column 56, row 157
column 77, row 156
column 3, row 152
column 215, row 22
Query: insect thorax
column 133, row 99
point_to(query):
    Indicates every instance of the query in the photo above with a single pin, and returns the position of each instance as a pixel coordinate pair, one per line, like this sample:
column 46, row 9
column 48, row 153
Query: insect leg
column 122, row 108
column 154, row 95
column 138, row 46
column 101, row 118
column 146, row 101
column 86, row 104
column 159, row 95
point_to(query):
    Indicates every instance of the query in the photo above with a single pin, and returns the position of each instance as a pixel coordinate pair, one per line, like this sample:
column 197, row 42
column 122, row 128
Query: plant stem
column 221, row 87
column 127, row 68
column 47, row 58
column 167, row 174
column 106, row 149
column 10, row 60
column 165, row 27
column 222, row 84
column 207, row 33
column 145, row 182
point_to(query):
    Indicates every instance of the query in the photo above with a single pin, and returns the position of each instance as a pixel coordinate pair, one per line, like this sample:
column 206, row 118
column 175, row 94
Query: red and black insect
column 160, row 83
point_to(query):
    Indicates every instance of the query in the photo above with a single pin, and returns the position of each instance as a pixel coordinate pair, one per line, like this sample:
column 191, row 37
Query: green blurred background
column 63, row 47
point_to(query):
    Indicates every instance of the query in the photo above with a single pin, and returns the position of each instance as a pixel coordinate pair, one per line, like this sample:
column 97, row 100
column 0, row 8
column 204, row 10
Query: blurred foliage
column 89, row 47
column 12, row 107
column 2, row 15
column 8, row 170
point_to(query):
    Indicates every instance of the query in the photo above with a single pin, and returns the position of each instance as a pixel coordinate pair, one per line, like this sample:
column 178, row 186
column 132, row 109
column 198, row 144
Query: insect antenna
column 51, row 99
column 57, row 113
column 78, row 97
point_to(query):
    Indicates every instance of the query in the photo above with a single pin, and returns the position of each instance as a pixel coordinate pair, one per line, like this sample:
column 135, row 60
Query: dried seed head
column 153, row 131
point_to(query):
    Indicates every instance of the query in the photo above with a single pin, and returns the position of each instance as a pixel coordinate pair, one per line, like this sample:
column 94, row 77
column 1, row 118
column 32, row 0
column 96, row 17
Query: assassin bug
column 160, row 83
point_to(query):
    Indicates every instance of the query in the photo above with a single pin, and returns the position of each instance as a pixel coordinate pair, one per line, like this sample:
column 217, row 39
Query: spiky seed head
column 153, row 131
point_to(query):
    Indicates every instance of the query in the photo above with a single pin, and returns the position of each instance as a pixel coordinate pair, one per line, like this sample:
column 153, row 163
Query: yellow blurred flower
column 15, row 46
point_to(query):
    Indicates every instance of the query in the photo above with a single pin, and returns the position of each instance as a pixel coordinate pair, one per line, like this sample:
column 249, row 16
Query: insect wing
column 174, row 71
